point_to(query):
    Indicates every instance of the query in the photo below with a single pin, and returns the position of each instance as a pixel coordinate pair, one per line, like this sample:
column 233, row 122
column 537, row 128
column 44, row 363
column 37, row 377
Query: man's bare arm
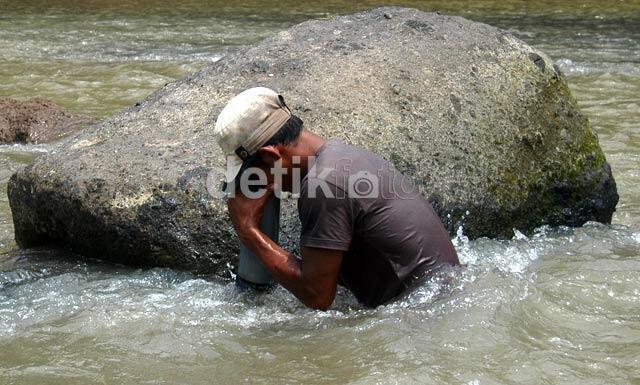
column 312, row 279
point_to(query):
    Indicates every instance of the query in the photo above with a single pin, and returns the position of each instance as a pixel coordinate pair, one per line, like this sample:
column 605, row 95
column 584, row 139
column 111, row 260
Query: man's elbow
column 320, row 301
column 320, row 305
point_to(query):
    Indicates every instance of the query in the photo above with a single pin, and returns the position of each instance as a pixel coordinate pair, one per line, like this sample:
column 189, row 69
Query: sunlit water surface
column 559, row 307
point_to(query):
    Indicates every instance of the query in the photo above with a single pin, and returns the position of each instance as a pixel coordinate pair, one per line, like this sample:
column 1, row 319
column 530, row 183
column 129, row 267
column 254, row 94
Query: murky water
column 560, row 307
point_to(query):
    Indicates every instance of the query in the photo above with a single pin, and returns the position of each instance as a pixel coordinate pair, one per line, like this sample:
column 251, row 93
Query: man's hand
column 245, row 212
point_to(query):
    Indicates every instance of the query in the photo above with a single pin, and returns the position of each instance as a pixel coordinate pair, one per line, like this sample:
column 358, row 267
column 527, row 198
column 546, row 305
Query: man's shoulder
column 358, row 173
column 340, row 158
column 338, row 146
column 322, row 185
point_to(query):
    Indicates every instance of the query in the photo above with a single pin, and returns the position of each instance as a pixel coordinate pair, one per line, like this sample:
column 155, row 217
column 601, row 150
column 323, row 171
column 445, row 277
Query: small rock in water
column 36, row 121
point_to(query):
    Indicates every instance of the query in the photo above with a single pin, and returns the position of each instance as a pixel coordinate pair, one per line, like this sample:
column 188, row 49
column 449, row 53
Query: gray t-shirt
column 354, row 200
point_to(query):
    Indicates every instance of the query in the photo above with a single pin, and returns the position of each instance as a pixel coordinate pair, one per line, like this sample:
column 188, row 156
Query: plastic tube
column 251, row 271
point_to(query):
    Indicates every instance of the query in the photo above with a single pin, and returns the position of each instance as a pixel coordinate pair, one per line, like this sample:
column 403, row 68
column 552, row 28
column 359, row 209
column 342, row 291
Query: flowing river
column 559, row 307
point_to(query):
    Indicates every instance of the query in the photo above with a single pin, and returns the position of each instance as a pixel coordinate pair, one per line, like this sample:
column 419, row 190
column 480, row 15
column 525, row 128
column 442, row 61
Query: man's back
column 355, row 201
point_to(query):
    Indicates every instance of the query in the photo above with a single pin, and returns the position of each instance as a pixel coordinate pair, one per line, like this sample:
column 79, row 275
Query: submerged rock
column 483, row 123
column 36, row 121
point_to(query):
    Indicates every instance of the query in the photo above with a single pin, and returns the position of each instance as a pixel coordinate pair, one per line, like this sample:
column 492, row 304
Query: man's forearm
column 283, row 265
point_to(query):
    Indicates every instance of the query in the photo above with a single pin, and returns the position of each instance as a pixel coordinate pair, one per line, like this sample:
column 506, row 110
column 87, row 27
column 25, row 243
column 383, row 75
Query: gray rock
column 483, row 123
column 36, row 120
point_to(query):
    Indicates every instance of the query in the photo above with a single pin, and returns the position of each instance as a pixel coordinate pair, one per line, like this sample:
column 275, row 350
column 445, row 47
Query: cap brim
column 234, row 164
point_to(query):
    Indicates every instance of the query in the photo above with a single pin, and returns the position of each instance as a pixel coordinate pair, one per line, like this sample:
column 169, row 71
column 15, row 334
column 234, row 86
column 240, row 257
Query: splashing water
column 520, row 308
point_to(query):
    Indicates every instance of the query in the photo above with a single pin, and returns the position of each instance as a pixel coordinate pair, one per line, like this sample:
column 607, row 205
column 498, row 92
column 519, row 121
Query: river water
column 559, row 307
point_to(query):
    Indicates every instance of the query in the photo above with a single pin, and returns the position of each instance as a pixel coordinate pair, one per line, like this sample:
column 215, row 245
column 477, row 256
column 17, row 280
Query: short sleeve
column 326, row 218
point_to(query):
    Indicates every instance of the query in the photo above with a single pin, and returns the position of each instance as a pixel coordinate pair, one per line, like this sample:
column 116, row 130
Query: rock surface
column 36, row 121
column 483, row 123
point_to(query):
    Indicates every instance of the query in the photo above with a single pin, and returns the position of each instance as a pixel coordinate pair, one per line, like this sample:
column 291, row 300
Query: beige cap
column 246, row 123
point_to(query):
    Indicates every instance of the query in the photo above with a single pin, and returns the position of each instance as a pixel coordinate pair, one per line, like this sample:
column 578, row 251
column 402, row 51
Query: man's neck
column 306, row 146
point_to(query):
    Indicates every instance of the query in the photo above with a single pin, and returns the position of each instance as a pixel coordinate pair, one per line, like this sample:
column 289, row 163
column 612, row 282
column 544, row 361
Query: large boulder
column 482, row 122
column 36, row 120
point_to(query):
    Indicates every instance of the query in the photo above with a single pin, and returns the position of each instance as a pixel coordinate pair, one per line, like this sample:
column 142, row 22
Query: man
column 364, row 225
